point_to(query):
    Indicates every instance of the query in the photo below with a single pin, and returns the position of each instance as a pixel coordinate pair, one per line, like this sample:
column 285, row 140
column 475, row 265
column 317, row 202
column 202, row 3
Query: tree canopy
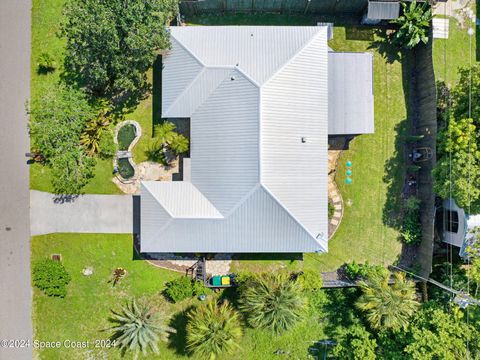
column 57, row 119
column 387, row 306
column 414, row 25
column 457, row 173
column 112, row 43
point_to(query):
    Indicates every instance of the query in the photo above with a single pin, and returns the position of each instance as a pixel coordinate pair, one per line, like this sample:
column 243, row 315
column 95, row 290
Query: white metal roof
column 259, row 92
column 350, row 93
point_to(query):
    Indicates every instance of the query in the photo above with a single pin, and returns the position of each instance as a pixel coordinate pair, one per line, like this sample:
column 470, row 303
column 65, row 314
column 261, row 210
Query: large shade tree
column 213, row 329
column 112, row 43
column 56, row 121
column 457, row 173
column 387, row 306
column 272, row 301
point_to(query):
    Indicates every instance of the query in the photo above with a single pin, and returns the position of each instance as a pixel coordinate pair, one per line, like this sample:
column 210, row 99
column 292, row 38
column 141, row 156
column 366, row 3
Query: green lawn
column 377, row 166
column 46, row 16
column 83, row 314
column 452, row 53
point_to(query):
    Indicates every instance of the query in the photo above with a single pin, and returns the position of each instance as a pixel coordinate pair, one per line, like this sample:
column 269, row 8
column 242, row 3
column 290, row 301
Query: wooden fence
column 320, row 7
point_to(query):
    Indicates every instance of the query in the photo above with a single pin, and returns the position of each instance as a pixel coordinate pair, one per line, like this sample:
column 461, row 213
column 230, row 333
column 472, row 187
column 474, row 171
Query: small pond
column 125, row 169
column 125, row 136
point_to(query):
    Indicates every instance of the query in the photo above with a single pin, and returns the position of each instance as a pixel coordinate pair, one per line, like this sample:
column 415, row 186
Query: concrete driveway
column 83, row 214
column 15, row 290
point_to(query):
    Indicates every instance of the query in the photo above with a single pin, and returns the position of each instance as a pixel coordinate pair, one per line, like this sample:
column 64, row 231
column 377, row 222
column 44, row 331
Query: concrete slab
column 84, row 214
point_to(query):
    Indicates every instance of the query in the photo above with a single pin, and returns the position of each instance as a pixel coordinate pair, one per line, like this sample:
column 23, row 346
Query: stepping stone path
column 333, row 193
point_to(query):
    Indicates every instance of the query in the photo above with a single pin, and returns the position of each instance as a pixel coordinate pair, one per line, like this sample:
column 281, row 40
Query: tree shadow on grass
column 394, row 178
column 178, row 340
column 383, row 44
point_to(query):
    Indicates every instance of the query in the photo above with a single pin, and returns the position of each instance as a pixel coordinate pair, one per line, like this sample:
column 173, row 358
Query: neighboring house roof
column 383, row 10
column 251, row 94
column 350, row 93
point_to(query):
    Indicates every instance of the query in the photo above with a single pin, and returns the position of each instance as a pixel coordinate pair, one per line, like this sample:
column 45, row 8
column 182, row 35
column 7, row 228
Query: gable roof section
column 270, row 229
column 224, row 148
column 258, row 50
column 180, row 199
column 181, row 69
column 294, row 105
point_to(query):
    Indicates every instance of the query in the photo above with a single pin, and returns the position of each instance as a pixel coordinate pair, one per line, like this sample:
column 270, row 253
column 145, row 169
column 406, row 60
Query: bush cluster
column 51, row 277
column 412, row 227
column 183, row 288
column 355, row 271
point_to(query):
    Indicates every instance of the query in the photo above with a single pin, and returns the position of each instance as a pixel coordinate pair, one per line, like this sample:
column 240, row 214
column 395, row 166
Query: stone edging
column 336, row 197
column 337, row 201
column 138, row 135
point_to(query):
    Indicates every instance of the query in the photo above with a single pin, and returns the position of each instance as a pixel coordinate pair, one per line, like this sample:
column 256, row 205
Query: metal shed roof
column 350, row 93
column 383, row 10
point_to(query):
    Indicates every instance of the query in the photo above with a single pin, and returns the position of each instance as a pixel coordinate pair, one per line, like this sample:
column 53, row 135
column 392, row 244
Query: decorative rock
column 87, row 271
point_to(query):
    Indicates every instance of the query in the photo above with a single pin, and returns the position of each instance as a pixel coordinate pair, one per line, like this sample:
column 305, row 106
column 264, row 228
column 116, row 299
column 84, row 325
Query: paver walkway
column 15, row 290
column 334, row 194
column 83, row 214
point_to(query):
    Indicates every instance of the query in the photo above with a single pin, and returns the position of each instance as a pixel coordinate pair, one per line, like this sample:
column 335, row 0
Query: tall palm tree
column 138, row 328
column 179, row 144
column 272, row 301
column 213, row 329
column 387, row 306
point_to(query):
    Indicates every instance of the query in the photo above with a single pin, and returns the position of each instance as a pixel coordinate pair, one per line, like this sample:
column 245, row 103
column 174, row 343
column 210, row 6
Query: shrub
column 213, row 329
column 412, row 229
column 355, row 343
column 179, row 289
column 199, row 288
column 51, row 277
column 355, row 271
column 107, row 145
column 310, row 280
column 331, row 210
column 46, row 63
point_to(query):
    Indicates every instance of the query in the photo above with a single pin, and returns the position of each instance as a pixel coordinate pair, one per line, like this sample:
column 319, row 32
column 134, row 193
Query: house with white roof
column 262, row 101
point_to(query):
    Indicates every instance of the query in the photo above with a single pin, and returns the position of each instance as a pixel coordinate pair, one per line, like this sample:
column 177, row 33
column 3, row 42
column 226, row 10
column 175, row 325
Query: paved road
column 15, row 291
column 84, row 214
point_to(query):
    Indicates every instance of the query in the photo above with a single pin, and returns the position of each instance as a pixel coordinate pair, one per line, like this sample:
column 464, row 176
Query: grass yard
column 46, row 17
column 377, row 164
column 452, row 53
column 83, row 314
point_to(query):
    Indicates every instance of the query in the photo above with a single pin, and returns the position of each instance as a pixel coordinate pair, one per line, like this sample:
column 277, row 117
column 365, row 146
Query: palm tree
column 385, row 306
column 179, row 144
column 166, row 142
column 213, row 329
column 138, row 328
column 165, row 132
column 91, row 135
column 414, row 25
column 272, row 301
